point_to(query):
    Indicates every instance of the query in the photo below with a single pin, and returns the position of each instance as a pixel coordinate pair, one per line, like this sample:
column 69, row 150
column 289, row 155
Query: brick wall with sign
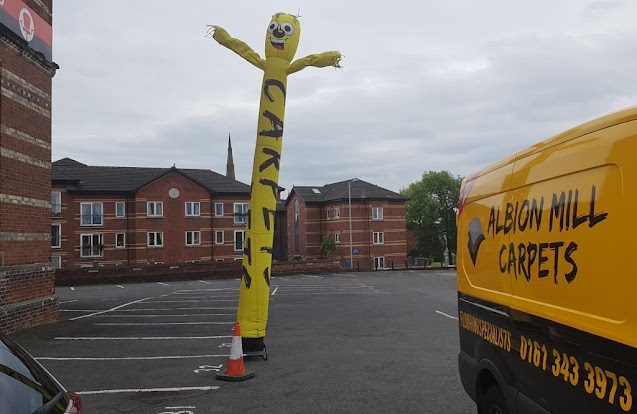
column 26, row 72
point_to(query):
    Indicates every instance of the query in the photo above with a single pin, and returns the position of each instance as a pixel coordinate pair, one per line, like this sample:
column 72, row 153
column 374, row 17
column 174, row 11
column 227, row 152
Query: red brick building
column 378, row 223
column 26, row 72
column 107, row 216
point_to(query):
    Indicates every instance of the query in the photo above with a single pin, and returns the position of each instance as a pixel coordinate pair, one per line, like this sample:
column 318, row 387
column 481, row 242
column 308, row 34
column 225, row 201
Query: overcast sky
column 426, row 85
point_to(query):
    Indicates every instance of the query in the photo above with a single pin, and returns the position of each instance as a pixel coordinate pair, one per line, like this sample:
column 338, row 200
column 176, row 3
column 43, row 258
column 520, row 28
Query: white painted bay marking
column 131, row 358
column 162, row 283
column 138, row 338
column 186, row 315
column 274, row 292
column 120, row 286
column 72, row 288
column 448, row 316
column 191, row 301
column 69, row 301
column 205, row 281
column 138, row 390
column 177, row 408
column 159, row 323
column 109, row 310
column 186, row 291
column 345, row 274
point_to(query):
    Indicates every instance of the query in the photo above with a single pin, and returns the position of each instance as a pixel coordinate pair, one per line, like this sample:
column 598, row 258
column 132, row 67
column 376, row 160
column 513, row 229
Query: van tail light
column 75, row 404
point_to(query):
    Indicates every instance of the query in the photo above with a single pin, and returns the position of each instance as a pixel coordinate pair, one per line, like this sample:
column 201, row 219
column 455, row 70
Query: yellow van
column 547, row 286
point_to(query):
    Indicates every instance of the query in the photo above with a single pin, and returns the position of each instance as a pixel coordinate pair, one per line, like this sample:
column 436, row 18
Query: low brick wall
column 26, row 296
column 189, row 271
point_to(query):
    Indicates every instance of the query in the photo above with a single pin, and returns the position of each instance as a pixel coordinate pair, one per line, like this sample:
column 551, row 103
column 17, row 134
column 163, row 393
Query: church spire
column 230, row 162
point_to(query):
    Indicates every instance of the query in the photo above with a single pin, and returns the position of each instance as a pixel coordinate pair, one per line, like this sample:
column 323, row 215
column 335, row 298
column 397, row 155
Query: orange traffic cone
column 236, row 371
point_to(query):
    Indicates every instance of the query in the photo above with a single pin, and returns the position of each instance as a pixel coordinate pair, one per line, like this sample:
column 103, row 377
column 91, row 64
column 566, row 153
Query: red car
column 27, row 387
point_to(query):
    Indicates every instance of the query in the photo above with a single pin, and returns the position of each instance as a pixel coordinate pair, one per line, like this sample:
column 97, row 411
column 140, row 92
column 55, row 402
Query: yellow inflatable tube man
column 281, row 42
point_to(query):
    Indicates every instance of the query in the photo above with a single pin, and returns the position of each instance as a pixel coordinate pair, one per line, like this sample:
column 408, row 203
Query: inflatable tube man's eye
column 287, row 28
column 274, row 25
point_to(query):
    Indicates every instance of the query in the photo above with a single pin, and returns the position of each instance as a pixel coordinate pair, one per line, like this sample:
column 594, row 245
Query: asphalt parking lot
column 381, row 342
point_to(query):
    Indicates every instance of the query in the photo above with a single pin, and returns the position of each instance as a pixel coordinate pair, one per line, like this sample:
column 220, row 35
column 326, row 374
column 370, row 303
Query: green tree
column 431, row 213
column 327, row 247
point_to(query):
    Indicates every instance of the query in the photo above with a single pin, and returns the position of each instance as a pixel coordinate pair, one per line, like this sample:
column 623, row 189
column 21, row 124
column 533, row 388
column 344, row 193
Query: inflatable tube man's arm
column 320, row 60
column 237, row 46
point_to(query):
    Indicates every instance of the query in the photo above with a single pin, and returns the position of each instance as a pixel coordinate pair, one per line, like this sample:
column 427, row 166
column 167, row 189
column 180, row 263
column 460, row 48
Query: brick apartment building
column 378, row 223
column 105, row 216
column 26, row 72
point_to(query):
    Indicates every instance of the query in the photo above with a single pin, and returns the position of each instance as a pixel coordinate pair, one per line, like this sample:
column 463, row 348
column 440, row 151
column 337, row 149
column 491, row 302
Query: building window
column 120, row 209
column 56, row 203
column 219, row 237
column 379, row 262
column 192, row 209
column 337, row 213
column 155, row 209
column 92, row 245
column 240, row 213
column 193, row 238
column 56, row 236
column 327, row 214
column 218, row 209
column 296, row 226
column 239, row 239
column 56, row 261
column 155, row 239
column 379, row 237
column 91, row 214
column 377, row 213
column 337, row 238
column 120, row 240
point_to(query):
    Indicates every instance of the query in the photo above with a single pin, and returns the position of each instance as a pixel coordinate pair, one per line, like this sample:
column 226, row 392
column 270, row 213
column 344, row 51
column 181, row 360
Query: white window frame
column 91, row 224
column 223, row 236
column 122, row 246
column 337, row 238
column 117, row 204
column 216, row 211
column 59, row 245
column 57, row 265
column 155, row 204
column 56, row 208
column 327, row 214
column 378, row 238
column 337, row 212
column 243, row 241
column 155, row 233
column 100, row 242
column 240, row 218
column 192, row 208
column 379, row 260
column 375, row 213
column 193, row 238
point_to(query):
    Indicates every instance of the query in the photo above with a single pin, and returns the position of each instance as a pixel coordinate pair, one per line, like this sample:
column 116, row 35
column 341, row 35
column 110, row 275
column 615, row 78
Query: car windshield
column 24, row 386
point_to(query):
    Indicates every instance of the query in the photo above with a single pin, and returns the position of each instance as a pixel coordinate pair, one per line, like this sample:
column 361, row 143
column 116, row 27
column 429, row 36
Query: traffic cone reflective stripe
column 235, row 370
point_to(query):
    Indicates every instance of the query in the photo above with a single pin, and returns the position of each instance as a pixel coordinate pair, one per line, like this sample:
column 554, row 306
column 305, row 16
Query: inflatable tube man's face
column 282, row 37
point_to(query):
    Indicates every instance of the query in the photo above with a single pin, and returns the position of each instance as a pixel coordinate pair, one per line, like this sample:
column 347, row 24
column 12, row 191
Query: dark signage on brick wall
column 28, row 25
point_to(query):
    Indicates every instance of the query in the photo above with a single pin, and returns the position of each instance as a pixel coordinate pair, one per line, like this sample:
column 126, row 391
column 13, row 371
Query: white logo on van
column 27, row 27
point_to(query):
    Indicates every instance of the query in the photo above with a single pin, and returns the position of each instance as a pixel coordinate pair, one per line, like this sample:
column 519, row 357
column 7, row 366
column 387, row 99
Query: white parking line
column 191, row 301
column 138, row 338
column 68, row 301
column 275, row 289
column 183, row 315
column 150, row 309
column 72, row 288
column 109, row 310
column 137, row 390
column 186, row 291
column 130, row 358
column 205, row 281
column 448, row 316
column 162, row 283
column 120, row 286
column 160, row 323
